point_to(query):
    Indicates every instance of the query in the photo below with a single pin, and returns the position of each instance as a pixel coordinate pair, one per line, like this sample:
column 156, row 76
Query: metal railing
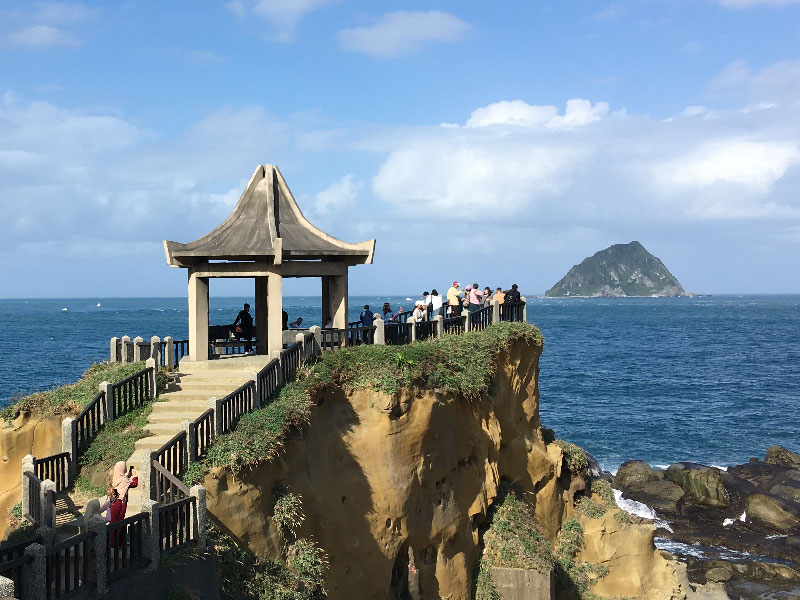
column 512, row 311
column 125, row 543
column 67, row 566
column 89, row 422
column 132, row 392
column 234, row 405
column 480, row 319
column 201, row 434
column 267, row 381
column 358, row 335
column 291, row 358
column 55, row 468
column 424, row 330
column 454, row 325
column 175, row 523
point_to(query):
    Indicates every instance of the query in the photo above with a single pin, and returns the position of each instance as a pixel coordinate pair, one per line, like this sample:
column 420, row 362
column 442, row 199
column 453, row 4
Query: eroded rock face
column 634, row 473
column 703, row 484
column 379, row 476
column 778, row 455
column 38, row 436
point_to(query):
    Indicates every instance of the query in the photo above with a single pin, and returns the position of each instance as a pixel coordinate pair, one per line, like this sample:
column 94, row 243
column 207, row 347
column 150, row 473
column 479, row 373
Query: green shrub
column 116, row 440
column 602, row 489
column 89, row 488
column 571, row 574
column 591, row 509
column 623, row 518
column 287, row 513
column 575, row 456
column 72, row 398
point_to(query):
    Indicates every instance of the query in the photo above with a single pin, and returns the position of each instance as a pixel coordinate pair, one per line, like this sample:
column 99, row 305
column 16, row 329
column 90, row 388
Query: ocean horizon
column 710, row 379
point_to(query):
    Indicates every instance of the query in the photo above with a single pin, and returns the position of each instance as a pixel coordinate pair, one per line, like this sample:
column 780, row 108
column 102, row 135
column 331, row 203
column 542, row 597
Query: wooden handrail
column 171, row 478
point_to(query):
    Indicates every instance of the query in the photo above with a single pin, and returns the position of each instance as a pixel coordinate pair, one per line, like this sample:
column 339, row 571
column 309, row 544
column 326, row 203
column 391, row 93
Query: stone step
column 223, row 363
column 188, row 396
column 169, row 428
column 210, row 386
column 179, row 406
column 175, row 418
column 153, row 442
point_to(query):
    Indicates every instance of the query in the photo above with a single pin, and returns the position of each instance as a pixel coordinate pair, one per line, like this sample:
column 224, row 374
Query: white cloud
column 755, row 165
column 778, row 81
column 402, row 32
column 237, row 9
column 43, row 35
column 286, row 14
column 612, row 12
column 339, row 196
column 517, row 112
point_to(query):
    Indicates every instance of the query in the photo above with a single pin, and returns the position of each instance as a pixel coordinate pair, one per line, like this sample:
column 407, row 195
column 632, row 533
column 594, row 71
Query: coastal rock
column 771, row 512
column 633, row 473
column 664, row 496
column 778, row 455
column 703, row 484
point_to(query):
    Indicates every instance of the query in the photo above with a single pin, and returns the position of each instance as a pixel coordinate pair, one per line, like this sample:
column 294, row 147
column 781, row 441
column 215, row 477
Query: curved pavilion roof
column 266, row 223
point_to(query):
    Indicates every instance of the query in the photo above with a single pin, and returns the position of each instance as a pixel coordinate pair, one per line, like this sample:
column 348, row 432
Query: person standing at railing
column 436, row 303
column 499, row 295
column 420, row 313
column 487, row 297
column 367, row 317
column 512, row 295
column 387, row 314
column 243, row 327
column 454, row 300
column 475, row 298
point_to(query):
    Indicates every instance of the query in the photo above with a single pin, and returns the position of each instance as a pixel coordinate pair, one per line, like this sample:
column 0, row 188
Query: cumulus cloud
column 517, row 112
column 340, row 196
column 44, row 24
column 43, row 35
column 283, row 15
column 402, row 32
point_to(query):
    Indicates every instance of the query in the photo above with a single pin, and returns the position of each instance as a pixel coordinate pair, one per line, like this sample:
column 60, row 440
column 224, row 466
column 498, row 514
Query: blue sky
column 489, row 144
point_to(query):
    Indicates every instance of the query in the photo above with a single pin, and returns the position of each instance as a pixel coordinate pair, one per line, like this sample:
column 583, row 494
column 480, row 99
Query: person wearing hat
column 454, row 300
column 420, row 313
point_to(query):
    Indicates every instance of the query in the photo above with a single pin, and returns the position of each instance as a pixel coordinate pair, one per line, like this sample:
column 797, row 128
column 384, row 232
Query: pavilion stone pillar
column 261, row 312
column 334, row 300
column 274, row 312
column 198, row 317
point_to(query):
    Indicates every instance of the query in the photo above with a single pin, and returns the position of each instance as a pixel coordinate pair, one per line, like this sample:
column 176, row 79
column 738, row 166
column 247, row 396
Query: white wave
column 640, row 509
column 678, row 548
column 98, row 304
column 777, row 536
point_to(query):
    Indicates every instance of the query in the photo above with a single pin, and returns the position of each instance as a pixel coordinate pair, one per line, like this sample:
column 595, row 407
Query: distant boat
column 65, row 308
column 408, row 299
column 98, row 304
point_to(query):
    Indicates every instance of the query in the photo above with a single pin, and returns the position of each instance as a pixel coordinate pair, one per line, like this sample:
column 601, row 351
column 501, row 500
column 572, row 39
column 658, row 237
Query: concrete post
column 126, row 340
column 48, row 490
column 97, row 525
column 108, row 390
column 146, row 477
column 152, row 538
column 198, row 317
column 112, row 350
column 191, row 441
column 317, row 331
column 151, row 363
column 214, row 403
column 524, row 309
column 69, row 443
column 495, row 311
column 137, row 348
column 27, row 467
column 465, row 314
column 7, row 588
column 276, row 354
column 155, row 349
column 413, row 329
column 380, row 334
column 439, row 327
column 169, row 350
column 274, row 312
column 35, row 574
column 199, row 525
column 261, row 314
column 46, row 534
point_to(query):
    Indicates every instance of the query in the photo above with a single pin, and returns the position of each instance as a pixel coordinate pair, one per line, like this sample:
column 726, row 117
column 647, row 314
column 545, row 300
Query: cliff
column 419, row 470
column 619, row 270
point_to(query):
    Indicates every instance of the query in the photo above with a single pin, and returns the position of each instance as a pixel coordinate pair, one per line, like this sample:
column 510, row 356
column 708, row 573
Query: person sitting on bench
column 243, row 327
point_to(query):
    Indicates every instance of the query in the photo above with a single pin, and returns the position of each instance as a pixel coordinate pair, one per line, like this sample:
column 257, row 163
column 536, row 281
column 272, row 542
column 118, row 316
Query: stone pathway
column 187, row 398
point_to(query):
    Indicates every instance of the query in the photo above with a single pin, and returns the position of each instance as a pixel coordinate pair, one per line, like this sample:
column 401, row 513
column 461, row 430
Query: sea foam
column 640, row 509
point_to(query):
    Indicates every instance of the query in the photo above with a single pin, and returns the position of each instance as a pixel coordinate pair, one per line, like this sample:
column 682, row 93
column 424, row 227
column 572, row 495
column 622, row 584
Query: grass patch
column 72, row 398
column 623, row 518
column 572, row 575
column 88, row 488
column 602, row 489
column 458, row 364
column 116, row 440
column 590, row 508
column 19, row 528
column 574, row 455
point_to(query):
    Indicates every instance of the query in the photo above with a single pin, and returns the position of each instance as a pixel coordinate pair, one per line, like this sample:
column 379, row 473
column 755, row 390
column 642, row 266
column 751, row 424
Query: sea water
column 713, row 380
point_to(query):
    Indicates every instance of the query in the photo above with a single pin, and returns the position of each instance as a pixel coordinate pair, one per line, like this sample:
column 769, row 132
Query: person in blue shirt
column 367, row 316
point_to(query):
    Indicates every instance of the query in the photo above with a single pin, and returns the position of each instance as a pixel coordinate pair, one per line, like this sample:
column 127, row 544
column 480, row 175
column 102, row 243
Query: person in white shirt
column 420, row 313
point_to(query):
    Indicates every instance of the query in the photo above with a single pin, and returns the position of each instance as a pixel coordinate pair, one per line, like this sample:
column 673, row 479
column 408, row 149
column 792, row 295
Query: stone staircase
column 186, row 398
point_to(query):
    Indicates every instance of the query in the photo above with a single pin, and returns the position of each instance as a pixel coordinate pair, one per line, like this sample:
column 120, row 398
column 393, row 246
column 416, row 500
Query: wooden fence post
column 169, row 359
column 153, row 364
column 137, row 348
column 276, row 354
column 112, row 350
column 108, row 391
column 97, row 525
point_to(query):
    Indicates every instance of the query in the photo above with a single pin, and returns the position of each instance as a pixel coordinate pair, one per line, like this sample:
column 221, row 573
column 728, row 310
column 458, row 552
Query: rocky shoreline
column 739, row 526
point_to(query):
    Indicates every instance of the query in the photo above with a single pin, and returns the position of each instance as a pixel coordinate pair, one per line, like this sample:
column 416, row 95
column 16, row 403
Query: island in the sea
column 618, row 271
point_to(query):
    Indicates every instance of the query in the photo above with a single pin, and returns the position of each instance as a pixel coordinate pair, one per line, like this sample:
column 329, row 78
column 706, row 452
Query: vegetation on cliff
column 456, row 364
column 72, row 398
column 619, row 270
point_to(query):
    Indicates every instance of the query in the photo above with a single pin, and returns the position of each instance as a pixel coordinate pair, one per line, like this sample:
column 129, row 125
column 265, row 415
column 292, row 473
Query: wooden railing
column 14, row 569
column 308, row 347
column 267, row 381
column 454, row 325
column 89, row 422
column 175, row 523
column 397, row 334
column 480, row 319
column 358, row 335
column 424, row 330
column 332, row 339
column 180, row 348
column 132, row 392
column 168, row 487
column 55, row 468
column 172, row 457
column 512, row 311
column 34, row 496
column 234, row 405
column 201, row 434
column 67, row 566
column 291, row 358
column 125, row 543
